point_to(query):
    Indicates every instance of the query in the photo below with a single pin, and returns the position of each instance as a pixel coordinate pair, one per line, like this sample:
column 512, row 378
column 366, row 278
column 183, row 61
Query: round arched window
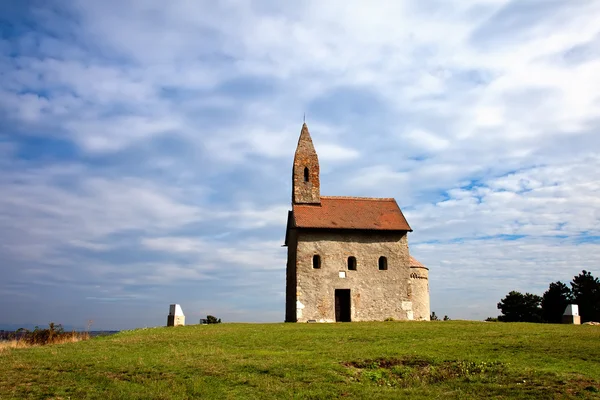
column 316, row 261
column 352, row 263
column 382, row 263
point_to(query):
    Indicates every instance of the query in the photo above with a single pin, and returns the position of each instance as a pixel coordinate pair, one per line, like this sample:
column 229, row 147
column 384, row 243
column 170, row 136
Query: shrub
column 212, row 320
column 54, row 334
column 554, row 301
column 586, row 293
column 518, row 307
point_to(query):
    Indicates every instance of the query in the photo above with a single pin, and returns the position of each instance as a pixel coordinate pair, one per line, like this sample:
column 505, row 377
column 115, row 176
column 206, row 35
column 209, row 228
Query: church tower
column 306, row 188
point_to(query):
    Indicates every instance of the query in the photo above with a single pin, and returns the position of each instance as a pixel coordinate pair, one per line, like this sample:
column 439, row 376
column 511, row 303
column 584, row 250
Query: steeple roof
column 305, row 143
column 305, row 174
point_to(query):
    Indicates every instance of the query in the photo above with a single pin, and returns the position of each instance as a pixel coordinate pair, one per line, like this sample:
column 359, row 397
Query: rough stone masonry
column 348, row 257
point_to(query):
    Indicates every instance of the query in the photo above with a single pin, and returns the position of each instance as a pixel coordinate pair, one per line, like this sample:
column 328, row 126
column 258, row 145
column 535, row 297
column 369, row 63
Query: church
column 348, row 257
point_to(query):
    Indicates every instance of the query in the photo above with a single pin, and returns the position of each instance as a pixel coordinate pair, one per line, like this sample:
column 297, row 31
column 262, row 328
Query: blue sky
column 146, row 148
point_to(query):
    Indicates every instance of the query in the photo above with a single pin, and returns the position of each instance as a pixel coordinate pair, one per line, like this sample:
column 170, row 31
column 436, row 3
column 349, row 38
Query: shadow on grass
column 497, row 377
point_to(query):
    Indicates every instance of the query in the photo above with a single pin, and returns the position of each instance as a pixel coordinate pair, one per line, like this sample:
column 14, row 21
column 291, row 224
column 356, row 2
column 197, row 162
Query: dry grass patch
column 7, row 345
column 54, row 334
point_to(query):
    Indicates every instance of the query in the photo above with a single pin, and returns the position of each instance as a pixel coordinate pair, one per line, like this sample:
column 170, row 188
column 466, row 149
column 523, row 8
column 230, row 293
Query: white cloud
column 427, row 141
column 251, row 254
column 332, row 152
column 376, row 177
column 543, row 201
column 181, row 123
column 176, row 244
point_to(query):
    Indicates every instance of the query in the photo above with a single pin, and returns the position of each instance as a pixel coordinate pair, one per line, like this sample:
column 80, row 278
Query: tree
column 586, row 294
column 212, row 320
column 518, row 307
column 554, row 301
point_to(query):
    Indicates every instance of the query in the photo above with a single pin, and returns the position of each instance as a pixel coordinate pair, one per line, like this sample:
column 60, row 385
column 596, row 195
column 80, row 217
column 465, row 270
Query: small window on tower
column 352, row 263
column 316, row 261
column 382, row 263
column 306, row 174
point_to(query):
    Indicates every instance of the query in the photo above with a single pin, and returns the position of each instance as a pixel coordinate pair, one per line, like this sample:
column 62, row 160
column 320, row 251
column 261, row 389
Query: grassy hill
column 454, row 359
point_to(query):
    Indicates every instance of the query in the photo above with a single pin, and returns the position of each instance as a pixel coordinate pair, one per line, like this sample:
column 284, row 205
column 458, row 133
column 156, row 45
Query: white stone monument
column 571, row 315
column 176, row 317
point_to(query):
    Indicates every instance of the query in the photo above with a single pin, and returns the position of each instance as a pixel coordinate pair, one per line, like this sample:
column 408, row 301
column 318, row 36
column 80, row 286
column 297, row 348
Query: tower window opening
column 383, row 263
column 352, row 263
column 316, row 261
column 306, row 176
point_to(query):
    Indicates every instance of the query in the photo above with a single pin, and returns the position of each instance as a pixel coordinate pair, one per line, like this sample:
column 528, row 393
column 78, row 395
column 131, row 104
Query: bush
column 518, row 307
column 554, row 301
column 586, row 294
column 54, row 334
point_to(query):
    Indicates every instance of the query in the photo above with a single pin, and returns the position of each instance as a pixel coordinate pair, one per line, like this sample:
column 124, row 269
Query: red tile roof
column 416, row 264
column 351, row 213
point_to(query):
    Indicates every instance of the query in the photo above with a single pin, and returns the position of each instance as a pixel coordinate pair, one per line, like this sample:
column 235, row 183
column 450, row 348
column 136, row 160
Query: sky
column 146, row 148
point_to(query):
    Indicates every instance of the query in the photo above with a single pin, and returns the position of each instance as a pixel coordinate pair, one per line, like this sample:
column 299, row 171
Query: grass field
column 454, row 359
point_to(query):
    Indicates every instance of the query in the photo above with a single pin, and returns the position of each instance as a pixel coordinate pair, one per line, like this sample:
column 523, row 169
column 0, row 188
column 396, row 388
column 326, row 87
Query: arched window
column 352, row 263
column 316, row 261
column 306, row 176
column 382, row 263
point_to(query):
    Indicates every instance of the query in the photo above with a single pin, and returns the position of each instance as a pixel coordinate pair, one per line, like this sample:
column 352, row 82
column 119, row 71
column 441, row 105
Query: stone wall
column 375, row 294
column 420, row 293
column 290, row 277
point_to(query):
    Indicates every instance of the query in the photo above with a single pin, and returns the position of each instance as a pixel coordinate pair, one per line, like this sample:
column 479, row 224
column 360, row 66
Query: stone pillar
column 176, row 317
column 571, row 315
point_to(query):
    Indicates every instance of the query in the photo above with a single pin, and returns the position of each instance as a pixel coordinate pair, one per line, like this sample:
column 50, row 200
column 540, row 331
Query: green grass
column 454, row 359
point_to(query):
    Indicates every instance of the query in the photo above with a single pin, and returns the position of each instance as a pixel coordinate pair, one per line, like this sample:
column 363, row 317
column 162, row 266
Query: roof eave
column 402, row 214
column 353, row 229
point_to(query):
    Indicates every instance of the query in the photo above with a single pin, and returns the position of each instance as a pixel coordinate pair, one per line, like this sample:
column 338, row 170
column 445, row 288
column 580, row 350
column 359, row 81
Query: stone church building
column 348, row 257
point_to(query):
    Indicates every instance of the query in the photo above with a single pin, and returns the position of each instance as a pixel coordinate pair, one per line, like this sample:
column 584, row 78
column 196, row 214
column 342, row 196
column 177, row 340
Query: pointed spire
column 305, row 175
column 304, row 136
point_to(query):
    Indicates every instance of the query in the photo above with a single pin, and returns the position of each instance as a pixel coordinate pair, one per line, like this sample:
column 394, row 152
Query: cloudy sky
column 146, row 147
